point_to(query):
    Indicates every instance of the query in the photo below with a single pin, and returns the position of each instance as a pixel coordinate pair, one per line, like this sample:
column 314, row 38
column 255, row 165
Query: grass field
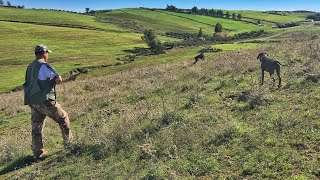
column 165, row 21
column 176, row 121
column 233, row 26
column 159, row 21
column 76, row 47
column 271, row 17
column 160, row 117
column 54, row 18
column 72, row 48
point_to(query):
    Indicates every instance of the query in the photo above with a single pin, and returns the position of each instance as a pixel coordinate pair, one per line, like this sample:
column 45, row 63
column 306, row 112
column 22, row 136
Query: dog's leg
column 196, row 60
column 262, row 77
column 279, row 78
column 272, row 78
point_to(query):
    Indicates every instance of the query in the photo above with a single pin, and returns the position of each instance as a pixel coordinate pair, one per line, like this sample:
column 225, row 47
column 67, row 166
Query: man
column 39, row 93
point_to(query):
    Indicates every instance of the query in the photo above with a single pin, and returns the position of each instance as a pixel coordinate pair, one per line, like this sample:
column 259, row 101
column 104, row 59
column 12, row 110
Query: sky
column 80, row 5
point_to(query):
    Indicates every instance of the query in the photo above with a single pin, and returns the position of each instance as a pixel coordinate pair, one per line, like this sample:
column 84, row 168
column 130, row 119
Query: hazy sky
column 80, row 5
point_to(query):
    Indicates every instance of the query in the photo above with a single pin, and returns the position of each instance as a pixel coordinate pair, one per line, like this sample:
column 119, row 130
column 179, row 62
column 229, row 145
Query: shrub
column 315, row 17
column 218, row 28
column 154, row 44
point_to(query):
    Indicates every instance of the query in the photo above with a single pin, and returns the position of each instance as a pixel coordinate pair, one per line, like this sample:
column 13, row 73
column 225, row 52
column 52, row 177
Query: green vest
column 38, row 91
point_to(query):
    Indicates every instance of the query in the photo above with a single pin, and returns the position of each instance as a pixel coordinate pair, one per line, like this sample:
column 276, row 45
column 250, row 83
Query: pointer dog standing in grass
column 270, row 66
column 39, row 93
column 200, row 56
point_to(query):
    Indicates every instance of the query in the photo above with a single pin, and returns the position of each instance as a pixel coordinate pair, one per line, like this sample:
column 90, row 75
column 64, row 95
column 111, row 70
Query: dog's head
column 262, row 55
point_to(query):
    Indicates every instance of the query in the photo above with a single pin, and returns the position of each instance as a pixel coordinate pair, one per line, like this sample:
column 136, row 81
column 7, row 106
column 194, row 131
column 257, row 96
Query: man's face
column 46, row 56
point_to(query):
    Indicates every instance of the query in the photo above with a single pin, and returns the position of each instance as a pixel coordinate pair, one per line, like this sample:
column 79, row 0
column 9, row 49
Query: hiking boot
column 39, row 155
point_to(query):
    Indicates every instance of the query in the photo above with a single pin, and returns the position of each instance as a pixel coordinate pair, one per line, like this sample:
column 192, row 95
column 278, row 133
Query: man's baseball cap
column 41, row 48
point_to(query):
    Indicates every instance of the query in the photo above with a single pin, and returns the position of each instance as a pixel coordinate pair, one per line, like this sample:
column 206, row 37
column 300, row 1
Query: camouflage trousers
column 38, row 113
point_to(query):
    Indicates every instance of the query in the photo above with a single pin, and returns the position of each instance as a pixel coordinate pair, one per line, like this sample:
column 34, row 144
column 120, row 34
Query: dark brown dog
column 270, row 66
column 200, row 56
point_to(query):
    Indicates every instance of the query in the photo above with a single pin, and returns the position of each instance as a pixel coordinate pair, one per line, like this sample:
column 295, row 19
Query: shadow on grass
column 21, row 162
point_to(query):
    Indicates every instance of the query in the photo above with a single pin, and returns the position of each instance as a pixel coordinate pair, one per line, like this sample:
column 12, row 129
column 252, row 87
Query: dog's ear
column 267, row 54
column 259, row 56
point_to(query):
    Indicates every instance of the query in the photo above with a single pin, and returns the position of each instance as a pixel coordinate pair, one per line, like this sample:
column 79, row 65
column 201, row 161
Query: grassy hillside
column 77, row 47
column 72, row 48
column 165, row 21
column 158, row 21
column 177, row 121
column 231, row 25
column 54, row 18
column 270, row 17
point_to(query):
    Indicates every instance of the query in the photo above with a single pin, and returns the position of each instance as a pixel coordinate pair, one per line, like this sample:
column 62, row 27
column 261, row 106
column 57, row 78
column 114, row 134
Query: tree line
column 315, row 17
column 205, row 12
column 9, row 4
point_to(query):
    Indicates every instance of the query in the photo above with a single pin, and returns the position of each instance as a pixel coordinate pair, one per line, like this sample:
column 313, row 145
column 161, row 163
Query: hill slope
column 56, row 18
column 259, row 15
column 75, row 38
column 211, row 120
column 77, row 41
column 164, row 21
column 72, row 48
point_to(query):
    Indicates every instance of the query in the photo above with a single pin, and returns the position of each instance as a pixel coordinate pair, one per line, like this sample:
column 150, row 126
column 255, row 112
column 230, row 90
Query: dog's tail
column 280, row 63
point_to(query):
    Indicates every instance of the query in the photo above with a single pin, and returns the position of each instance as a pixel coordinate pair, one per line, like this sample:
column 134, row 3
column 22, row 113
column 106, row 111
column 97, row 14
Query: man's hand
column 58, row 80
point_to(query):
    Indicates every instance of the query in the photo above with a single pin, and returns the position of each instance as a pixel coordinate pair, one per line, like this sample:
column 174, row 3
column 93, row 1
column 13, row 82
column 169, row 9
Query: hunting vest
column 38, row 91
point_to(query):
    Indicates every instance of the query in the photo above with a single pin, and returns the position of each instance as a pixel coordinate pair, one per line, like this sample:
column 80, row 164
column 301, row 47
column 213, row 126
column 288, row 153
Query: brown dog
column 270, row 66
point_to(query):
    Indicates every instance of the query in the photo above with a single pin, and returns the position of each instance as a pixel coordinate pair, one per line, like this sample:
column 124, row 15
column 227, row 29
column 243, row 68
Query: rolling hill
column 160, row 117
column 67, row 34
column 57, row 18
column 86, row 48
column 165, row 21
column 175, row 121
column 96, row 35
column 259, row 15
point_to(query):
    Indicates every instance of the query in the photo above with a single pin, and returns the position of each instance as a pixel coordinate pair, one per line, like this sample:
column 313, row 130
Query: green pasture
column 231, row 25
column 268, row 17
column 71, row 48
column 159, row 21
column 54, row 18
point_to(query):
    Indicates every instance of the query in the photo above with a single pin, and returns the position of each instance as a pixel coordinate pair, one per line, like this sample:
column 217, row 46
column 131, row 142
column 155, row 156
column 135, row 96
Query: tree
column 1, row 3
column 151, row 40
column 220, row 13
column 315, row 17
column 239, row 16
column 195, row 10
column 200, row 33
column 227, row 15
column 9, row 4
column 234, row 16
column 218, row 28
column 156, row 46
column 203, row 11
column 87, row 10
column 212, row 12
column 171, row 8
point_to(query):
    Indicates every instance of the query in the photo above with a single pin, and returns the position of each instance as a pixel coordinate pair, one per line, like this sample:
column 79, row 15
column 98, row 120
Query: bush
column 151, row 39
column 193, row 40
column 218, row 28
column 156, row 46
column 315, row 17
